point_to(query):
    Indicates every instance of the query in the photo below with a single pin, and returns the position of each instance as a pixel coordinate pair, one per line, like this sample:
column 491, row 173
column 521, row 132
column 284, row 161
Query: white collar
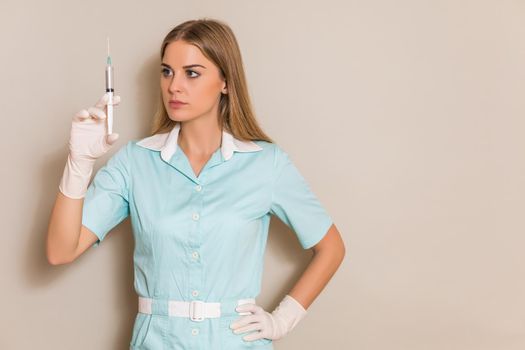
column 166, row 143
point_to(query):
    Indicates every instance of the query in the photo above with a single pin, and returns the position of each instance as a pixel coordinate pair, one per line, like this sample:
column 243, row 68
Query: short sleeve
column 295, row 204
column 106, row 199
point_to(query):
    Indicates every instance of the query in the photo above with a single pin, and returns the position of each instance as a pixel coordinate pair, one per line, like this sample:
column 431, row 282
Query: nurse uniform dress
column 199, row 240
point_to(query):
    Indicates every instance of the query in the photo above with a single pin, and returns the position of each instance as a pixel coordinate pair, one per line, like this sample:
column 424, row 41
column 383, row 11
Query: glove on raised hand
column 88, row 141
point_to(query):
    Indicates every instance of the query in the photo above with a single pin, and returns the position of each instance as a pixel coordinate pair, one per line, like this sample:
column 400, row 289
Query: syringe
column 109, row 90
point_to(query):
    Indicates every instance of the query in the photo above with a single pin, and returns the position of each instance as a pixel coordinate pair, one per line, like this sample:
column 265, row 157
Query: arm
column 67, row 238
column 297, row 206
column 328, row 256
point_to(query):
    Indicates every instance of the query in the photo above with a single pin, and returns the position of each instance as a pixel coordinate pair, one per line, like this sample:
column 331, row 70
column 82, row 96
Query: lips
column 176, row 104
column 177, row 101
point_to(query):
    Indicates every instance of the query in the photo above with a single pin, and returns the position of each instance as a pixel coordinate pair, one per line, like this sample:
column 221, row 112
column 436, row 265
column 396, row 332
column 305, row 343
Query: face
column 188, row 76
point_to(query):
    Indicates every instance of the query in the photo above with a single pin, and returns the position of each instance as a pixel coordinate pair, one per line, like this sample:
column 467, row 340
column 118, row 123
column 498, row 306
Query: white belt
column 196, row 310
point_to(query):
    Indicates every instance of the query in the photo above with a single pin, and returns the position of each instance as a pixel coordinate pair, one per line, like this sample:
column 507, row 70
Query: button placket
column 195, row 240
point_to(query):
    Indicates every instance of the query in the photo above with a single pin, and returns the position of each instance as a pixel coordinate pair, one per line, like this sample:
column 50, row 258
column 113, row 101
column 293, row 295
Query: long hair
column 217, row 43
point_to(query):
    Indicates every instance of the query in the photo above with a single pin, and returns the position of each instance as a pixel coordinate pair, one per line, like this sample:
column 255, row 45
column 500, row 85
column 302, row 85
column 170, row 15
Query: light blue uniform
column 200, row 238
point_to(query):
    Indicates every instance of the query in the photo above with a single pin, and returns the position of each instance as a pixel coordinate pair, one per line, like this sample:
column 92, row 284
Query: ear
column 224, row 89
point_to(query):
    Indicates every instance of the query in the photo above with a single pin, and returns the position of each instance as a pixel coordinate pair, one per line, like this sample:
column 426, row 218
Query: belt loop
column 144, row 305
column 228, row 306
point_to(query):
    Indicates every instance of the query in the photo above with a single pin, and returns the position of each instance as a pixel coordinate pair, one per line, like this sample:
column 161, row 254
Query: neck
column 200, row 137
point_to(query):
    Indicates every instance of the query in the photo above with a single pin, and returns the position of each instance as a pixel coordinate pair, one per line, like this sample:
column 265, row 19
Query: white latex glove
column 273, row 325
column 88, row 141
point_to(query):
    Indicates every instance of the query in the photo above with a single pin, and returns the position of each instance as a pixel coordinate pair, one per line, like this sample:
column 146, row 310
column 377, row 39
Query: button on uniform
column 195, row 293
column 195, row 255
column 198, row 188
column 195, row 331
column 195, row 216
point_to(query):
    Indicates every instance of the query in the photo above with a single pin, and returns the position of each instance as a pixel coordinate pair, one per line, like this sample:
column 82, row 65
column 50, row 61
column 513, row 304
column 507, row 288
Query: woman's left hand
column 273, row 325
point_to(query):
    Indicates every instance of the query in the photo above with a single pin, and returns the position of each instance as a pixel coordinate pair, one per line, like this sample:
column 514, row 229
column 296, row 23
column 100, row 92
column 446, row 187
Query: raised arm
column 67, row 238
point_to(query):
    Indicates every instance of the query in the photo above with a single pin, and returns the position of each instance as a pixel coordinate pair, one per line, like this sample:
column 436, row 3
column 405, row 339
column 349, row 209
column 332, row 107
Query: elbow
column 56, row 261
column 52, row 261
column 53, row 258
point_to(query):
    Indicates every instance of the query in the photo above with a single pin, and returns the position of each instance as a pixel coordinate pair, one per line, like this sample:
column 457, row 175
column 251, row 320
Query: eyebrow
column 188, row 66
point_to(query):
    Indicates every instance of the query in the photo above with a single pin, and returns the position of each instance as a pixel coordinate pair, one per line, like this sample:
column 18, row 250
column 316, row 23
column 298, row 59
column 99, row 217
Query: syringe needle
column 109, row 57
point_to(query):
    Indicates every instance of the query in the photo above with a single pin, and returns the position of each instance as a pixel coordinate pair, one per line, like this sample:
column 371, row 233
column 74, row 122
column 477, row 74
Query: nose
column 175, row 83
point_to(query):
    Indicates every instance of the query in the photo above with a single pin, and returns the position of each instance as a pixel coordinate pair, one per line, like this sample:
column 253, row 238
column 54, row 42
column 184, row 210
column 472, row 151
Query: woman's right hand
column 88, row 138
column 88, row 141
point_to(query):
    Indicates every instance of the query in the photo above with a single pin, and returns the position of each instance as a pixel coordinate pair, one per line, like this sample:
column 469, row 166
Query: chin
column 176, row 117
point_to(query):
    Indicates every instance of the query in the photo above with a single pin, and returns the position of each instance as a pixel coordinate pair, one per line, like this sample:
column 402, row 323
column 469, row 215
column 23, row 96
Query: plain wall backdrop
column 405, row 117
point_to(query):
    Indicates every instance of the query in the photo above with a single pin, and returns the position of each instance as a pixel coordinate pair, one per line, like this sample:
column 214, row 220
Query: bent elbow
column 55, row 259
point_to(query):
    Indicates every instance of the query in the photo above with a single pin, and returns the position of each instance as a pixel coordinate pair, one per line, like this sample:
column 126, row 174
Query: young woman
column 200, row 191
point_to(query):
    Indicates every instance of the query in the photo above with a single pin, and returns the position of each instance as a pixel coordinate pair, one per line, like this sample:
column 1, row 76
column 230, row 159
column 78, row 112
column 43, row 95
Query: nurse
column 200, row 191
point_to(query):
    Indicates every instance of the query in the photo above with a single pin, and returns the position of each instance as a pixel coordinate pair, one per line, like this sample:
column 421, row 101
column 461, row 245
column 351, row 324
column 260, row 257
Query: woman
column 200, row 191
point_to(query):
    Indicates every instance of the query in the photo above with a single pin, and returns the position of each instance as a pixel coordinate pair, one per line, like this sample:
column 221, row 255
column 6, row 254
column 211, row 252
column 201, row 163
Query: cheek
column 164, row 85
column 206, row 91
column 198, row 91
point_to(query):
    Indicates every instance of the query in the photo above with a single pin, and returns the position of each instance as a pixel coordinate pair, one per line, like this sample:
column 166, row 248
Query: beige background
column 406, row 118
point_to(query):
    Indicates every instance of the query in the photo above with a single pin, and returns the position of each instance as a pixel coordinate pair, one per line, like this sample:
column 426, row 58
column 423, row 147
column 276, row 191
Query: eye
column 163, row 70
column 193, row 72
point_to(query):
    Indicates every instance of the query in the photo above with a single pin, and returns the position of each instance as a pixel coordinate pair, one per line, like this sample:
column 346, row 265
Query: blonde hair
column 217, row 43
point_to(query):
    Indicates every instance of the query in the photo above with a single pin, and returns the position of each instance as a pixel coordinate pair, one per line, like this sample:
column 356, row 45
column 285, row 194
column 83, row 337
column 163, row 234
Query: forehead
column 180, row 53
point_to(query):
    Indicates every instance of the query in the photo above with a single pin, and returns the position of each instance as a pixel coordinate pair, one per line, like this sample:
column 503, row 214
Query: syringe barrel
column 109, row 78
